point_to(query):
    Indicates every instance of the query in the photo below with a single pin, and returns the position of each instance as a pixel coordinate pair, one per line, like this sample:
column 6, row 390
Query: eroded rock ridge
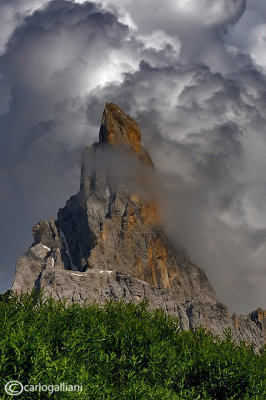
column 108, row 242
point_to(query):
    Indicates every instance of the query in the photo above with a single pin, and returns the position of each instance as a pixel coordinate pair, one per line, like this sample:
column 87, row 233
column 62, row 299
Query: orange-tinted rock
column 158, row 263
column 117, row 128
column 259, row 317
column 149, row 213
column 138, row 270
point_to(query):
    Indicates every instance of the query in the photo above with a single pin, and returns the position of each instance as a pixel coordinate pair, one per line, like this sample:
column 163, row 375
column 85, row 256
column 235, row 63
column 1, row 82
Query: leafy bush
column 120, row 352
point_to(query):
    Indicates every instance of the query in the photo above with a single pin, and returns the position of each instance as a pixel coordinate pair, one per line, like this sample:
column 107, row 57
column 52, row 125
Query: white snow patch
column 146, row 283
column 46, row 247
column 72, row 273
column 53, row 263
column 109, row 272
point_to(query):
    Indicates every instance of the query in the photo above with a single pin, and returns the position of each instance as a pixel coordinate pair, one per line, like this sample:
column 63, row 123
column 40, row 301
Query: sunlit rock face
column 108, row 242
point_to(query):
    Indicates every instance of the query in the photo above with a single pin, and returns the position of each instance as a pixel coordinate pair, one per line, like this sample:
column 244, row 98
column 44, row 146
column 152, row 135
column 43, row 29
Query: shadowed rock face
column 108, row 243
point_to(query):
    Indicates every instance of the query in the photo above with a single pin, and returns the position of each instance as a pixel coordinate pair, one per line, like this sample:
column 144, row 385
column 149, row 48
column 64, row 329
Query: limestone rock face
column 108, row 243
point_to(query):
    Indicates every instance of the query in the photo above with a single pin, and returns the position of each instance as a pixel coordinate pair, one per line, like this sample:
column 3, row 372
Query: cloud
column 198, row 25
column 169, row 14
column 5, row 96
column 12, row 13
column 249, row 34
column 185, row 72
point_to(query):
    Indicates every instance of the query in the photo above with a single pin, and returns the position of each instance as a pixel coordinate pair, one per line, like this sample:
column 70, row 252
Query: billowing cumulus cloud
column 198, row 24
column 185, row 72
column 250, row 33
column 12, row 13
column 205, row 12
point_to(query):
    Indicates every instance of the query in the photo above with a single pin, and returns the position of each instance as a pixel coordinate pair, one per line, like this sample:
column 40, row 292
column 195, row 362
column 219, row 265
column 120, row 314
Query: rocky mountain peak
column 117, row 128
column 107, row 242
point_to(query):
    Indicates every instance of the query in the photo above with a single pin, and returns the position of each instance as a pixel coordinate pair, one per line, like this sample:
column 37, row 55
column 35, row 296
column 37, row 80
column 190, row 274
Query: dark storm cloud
column 250, row 33
column 12, row 13
column 198, row 99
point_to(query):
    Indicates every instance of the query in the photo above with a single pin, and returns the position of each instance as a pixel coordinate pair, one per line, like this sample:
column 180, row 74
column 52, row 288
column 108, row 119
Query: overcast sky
column 193, row 75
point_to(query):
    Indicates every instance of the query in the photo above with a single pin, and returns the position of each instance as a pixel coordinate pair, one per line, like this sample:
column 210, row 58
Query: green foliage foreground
column 120, row 352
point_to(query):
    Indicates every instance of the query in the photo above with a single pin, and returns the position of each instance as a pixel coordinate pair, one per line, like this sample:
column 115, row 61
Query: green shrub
column 120, row 352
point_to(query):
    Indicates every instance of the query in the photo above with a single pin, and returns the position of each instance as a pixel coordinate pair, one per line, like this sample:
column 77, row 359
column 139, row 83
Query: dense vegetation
column 120, row 352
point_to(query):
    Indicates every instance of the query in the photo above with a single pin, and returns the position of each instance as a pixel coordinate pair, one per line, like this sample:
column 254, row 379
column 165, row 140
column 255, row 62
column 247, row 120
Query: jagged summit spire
column 117, row 128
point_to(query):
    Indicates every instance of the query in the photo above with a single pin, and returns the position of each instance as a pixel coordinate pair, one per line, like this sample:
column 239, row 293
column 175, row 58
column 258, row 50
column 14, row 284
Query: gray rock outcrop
column 108, row 242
